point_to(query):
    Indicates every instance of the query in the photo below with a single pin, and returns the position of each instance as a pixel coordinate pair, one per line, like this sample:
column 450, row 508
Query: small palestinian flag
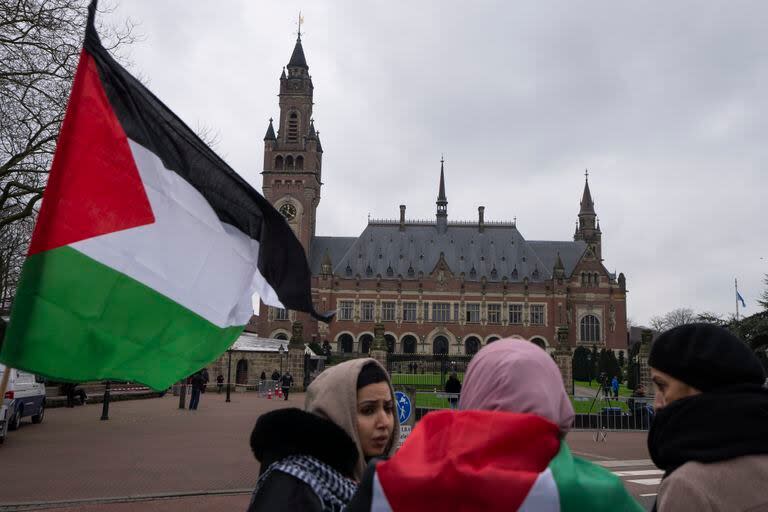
column 148, row 248
column 491, row 461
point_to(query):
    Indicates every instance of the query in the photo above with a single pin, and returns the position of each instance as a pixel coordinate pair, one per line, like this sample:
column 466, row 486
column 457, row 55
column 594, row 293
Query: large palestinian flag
column 490, row 461
column 148, row 247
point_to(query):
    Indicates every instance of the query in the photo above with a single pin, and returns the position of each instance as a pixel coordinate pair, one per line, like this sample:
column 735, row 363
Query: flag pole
column 736, row 287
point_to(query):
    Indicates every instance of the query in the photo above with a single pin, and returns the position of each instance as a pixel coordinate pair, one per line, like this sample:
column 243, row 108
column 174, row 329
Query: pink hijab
column 516, row 375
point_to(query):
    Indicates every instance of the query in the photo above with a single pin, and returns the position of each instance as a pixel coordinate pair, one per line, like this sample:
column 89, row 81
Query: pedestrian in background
column 615, row 387
column 263, row 376
column 220, row 382
column 198, row 384
column 286, row 381
column 275, row 376
column 349, row 410
column 504, row 450
column 710, row 432
column 453, row 386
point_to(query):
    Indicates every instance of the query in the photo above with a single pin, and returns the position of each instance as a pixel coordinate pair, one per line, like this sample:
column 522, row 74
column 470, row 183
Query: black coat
column 285, row 432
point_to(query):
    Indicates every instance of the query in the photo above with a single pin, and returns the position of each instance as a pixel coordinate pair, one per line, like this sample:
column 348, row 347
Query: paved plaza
column 172, row 459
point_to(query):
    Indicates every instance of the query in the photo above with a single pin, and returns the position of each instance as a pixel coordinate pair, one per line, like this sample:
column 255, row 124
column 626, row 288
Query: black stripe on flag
column 146, row 120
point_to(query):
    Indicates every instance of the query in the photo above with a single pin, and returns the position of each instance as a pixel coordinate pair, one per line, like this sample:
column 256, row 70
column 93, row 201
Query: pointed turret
column 587, row 205
column 270, row 135
column 297, row 57
column 559, row 269
column 442, row 202
column 587, row 228
column 312, row 135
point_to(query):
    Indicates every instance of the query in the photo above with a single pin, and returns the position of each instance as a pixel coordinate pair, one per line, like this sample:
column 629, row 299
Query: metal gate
column 426, row 371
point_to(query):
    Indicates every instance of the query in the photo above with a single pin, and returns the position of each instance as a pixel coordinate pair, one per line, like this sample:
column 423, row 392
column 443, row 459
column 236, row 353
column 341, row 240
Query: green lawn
column 623, row 391
column 425, row 381
column 582, row 406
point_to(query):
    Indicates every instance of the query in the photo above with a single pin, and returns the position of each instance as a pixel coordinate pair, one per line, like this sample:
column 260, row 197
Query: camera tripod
column 601, row 433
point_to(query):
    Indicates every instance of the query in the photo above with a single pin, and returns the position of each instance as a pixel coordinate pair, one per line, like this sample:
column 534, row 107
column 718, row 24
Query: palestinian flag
column 488, row 460
column 148, row 247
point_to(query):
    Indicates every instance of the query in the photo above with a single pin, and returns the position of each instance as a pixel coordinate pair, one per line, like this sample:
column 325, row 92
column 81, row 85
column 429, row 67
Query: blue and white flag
column 740, row 298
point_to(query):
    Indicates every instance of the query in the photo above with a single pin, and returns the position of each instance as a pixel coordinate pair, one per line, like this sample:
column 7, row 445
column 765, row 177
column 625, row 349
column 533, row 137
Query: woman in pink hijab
column 515, row 375
column 503, row 450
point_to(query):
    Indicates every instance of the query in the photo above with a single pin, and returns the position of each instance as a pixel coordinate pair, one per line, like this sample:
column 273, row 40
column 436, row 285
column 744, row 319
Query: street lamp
column 281, row 350
column 229, row 371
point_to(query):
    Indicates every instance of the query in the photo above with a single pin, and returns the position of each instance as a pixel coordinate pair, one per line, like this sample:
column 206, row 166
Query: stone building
column 437, row 286
column 251, row 355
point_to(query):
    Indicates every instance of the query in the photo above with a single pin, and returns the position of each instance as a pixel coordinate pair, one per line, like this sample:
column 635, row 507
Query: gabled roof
column 499, row 251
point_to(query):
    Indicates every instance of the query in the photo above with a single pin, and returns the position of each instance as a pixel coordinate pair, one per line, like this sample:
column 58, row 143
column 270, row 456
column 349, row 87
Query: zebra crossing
column 640, row 472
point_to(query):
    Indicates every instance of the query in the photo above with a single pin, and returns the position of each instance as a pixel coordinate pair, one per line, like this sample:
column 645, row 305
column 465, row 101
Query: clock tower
column 291, row 179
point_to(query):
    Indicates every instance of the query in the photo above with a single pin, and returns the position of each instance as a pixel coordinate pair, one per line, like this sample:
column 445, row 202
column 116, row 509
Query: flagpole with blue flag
column 739, row 298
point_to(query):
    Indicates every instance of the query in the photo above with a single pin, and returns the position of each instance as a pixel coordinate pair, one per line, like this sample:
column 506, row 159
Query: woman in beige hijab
column 313, row 459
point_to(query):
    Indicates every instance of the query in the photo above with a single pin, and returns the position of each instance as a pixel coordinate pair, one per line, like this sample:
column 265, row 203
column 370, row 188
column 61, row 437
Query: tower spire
column 442, row 201
column 587, row 205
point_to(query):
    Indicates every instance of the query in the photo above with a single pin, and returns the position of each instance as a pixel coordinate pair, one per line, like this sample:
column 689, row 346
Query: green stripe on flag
column 586, row 486
column 79, row 320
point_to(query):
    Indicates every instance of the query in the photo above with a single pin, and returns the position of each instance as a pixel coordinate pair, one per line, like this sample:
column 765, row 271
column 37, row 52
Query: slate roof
column 249, row 342
column 297, row 57
column 499, row 251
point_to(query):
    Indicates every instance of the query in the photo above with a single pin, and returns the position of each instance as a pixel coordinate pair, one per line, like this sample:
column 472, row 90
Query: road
column 181, row 460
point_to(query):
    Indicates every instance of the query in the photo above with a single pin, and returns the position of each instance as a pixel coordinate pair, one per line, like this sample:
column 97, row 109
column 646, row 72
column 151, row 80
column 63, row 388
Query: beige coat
column 333, row 395
column 735, row 485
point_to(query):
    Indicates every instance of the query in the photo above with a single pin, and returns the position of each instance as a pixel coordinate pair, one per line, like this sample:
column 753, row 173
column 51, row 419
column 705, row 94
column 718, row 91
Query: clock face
column 288, row 211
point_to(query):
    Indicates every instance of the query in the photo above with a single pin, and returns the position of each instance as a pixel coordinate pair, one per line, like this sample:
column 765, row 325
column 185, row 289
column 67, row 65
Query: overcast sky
column 665, row 103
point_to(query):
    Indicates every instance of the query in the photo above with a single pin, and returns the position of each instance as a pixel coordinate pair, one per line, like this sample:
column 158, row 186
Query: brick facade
column 439, row 285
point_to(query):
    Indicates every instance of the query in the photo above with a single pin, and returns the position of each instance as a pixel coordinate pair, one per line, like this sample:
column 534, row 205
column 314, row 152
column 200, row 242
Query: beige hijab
column 333, row 395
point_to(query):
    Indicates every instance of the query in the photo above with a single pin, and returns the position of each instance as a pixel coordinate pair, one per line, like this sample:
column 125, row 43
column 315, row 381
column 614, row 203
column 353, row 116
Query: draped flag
column 148, row 247
column 740, row 299
column 494, row 461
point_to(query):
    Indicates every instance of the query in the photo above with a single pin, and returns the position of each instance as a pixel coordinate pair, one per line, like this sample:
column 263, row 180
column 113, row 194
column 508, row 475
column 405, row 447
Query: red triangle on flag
column 94, row 187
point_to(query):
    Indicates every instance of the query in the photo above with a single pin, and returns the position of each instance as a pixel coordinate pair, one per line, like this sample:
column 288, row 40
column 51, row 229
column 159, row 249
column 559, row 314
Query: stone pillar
column 379, row 345
column 645, row 371
column 564, row 358
column 296, row 356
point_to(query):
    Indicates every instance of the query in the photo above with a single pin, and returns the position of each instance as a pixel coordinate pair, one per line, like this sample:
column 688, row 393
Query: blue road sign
column 403, row 406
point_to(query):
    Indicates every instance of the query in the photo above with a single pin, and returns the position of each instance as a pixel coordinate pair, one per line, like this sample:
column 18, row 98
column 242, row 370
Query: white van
column 25, row 396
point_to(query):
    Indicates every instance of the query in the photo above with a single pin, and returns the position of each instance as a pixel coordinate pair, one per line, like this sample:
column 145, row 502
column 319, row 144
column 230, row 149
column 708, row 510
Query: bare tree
column 14, row 240
column 674, row 318
column 40, row 42
column 763, row 300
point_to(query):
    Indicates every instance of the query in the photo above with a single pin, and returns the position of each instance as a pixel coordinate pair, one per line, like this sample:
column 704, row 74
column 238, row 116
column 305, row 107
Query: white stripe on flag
column 379, row 501
column 188, row 254
column 543, row 496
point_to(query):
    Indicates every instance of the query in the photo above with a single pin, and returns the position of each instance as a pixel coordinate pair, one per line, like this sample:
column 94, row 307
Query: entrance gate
column 426, row 371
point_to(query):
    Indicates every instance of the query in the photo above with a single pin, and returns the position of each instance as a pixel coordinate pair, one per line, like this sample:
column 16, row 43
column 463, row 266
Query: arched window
column 365, row 343
column 279, row 162
column 346, row 343
column 590, row 328
column 540, row 342
column 471, row 345
column 293, row 127
column 409, row 344
column 281, row 336
column 391, row 342
column 241, row 375
column 440, row 345
column 299, row 163
column 289, row 162
column 492, row 339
